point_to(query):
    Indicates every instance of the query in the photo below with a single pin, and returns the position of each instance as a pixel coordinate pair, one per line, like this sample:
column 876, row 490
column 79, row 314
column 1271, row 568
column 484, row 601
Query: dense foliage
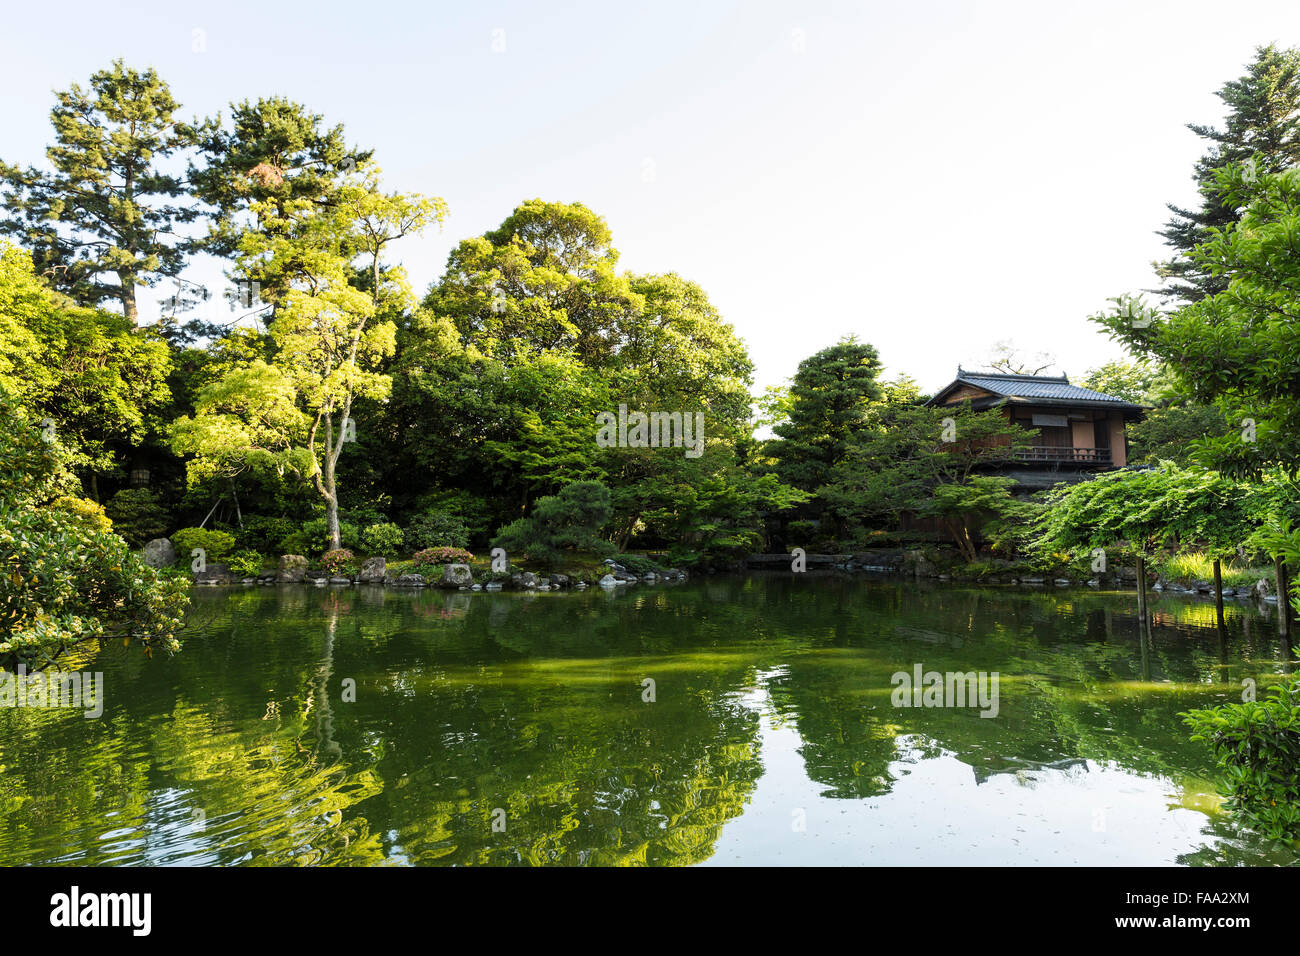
column 65, row 580
column 1257, row 746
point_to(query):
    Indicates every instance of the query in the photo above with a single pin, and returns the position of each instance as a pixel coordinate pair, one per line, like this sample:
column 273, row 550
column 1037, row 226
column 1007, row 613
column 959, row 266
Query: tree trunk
column 128, row 298
column 332, row 514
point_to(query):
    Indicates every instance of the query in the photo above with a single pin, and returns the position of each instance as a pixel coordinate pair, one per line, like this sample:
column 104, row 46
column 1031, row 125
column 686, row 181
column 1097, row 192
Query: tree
column 1263, row 127
column 1133, row 381
column 101, row 381
column 679, row 353
column 901, row 463
column 1144, row 511
column 829, row 403
column 66, row 581
column 275, row 151
column 1237, row 348
column 25, row 303
column 104, row 221
column 1008, row 359
column 544, row 280
column 295, row 412
column 274, row 164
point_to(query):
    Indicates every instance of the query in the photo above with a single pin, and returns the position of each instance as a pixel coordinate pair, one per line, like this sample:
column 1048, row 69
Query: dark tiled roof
column 1049, row 389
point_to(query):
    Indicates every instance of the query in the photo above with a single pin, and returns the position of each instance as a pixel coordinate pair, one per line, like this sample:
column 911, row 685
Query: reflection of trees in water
column 1072, row 681
column 586, row 771
column 469, row 702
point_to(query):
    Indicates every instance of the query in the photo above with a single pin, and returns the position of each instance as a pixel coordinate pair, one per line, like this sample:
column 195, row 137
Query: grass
column 1197, row 566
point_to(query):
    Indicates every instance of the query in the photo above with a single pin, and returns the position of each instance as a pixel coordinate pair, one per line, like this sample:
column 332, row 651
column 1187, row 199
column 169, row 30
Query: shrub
column 89, row 514
column 476, row 513
column 246, row 564
column 215, row 544
column 336, row 562
column 382, row 538
column 567, row 522
column 138, row 515
column 266, row 535
column 436, row 528
column 317, row 535
column 431, row 556
column 638, row 563
column 1257, row 746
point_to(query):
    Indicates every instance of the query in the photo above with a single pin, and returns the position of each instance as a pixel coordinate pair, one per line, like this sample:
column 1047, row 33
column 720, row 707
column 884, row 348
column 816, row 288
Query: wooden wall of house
column 967, row 391
column 1085, row 428
column 1118, row 441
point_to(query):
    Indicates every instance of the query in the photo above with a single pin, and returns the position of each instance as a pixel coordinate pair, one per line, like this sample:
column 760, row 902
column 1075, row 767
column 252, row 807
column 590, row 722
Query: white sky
column 934, row 177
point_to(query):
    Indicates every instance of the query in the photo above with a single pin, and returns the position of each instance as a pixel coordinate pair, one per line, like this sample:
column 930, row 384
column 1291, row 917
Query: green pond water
column 506, row 728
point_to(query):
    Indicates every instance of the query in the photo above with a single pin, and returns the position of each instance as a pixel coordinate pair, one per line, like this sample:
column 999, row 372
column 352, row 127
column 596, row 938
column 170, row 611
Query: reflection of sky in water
column 938, row 813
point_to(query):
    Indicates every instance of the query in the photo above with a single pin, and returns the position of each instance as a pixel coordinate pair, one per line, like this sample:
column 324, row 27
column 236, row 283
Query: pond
column 728, row 720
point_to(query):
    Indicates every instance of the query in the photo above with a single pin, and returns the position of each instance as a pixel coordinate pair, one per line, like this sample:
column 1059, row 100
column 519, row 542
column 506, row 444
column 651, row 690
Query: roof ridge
column 961, row 373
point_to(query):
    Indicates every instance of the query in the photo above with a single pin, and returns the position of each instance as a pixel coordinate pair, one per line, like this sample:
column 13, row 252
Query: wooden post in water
column 1142, row 590
column 1283, row 605
column 1218, row 595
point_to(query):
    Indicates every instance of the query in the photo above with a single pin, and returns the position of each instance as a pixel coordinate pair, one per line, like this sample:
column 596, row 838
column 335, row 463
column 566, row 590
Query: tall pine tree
column 105, row 220
column 1263, row 123
column 276, row 156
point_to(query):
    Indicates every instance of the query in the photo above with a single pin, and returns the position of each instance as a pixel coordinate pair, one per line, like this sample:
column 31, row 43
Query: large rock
column 292, row 570
column 609, row 581
column 373, row 571
column 214, row 573
column 523, row 579
column 560, row 580
column 409, row 581
column 456, row 576
column 159, row 553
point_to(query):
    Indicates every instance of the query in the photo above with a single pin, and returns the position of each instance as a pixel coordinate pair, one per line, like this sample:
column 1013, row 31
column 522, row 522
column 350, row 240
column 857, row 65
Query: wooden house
column 1079, row 431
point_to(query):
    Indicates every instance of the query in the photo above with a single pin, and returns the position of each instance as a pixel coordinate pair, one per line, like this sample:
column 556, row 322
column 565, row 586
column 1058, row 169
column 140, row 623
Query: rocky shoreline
column 294, row 569
column 914, row 563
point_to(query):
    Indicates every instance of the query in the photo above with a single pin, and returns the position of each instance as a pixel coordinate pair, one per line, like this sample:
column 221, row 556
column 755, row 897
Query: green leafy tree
column 1236, row 348
column 1133, row 381
column 544, row 280
column 274, row 153
column 138, row 515
column 1257, row 747
column 1144, row 511
column 106, row 219
column 101, row 381
column 65, row 582
column 437, row 529
column 294, row 413
column 899, row 463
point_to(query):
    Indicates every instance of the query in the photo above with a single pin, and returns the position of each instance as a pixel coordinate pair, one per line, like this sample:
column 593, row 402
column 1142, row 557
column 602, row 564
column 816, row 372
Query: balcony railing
column 1064, row 455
